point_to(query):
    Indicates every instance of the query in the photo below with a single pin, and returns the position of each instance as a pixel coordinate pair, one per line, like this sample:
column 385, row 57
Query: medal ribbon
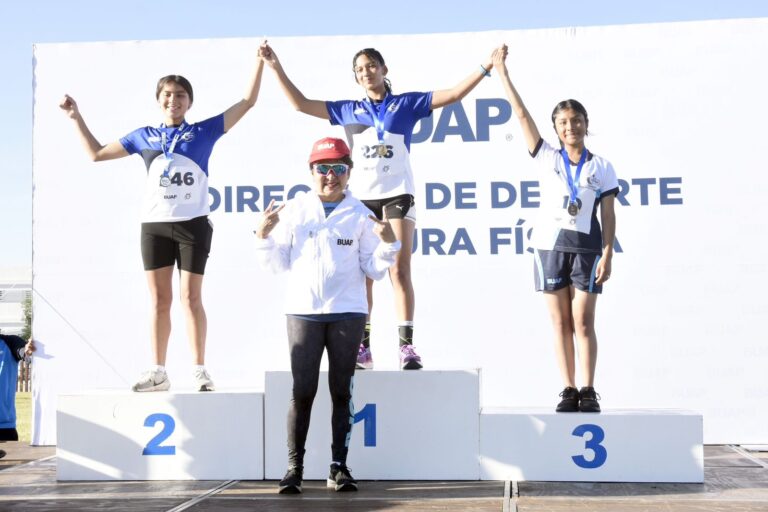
column 378, row 117
column 168, row 151
column 573, row 182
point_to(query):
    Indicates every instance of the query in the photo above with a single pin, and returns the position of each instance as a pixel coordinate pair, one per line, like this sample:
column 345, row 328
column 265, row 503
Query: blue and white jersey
column 11, row 348
column 177, row 179
column 381, row 170
column 555, row 229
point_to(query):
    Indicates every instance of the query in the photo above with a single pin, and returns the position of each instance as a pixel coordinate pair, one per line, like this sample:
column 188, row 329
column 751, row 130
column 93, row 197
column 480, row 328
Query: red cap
column 328, row 149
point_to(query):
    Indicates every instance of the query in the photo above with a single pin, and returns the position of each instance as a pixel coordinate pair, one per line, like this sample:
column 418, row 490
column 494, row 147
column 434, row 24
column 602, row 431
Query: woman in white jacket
column 330, row 242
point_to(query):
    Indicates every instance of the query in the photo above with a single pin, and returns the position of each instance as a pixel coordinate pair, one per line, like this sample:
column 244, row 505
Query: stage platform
column 735, row 480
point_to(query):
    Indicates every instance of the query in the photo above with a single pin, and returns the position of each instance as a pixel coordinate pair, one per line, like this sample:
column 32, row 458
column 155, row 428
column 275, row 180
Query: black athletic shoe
column 2, row 454
column 340, row 479
column 589, row 398
column 291, row 482
column 570, row 401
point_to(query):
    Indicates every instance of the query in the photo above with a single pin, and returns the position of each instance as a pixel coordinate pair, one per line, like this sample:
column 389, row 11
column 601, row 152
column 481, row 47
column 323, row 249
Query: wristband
column 484, row 71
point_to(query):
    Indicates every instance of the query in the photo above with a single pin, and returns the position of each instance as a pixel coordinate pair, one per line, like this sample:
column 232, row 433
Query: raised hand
column 269, row 219
column 268, row 55
column 69, row 106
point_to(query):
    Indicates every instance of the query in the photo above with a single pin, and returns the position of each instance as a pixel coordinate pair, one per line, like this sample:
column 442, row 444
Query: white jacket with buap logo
column 328, row 259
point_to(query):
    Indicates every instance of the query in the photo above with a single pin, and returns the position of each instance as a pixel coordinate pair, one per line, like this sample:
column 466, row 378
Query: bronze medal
column 573, row 209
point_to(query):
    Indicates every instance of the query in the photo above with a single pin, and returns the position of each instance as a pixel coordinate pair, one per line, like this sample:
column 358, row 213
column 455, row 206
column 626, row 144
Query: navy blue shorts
column 557, row 269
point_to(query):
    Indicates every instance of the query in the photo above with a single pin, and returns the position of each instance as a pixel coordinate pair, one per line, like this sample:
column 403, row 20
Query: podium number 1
column 368, row 416
column 593, row 443
column 153, row 446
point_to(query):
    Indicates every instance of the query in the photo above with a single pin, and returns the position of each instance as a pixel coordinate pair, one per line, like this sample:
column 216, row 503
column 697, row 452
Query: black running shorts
column 398, row 207
column 186, row 243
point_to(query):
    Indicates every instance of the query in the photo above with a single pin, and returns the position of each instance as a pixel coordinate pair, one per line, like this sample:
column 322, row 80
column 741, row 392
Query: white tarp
column 677, row 108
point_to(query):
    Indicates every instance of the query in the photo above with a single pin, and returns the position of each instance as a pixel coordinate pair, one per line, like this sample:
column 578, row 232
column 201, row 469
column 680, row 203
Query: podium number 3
column 153, row 446
column 593, row 443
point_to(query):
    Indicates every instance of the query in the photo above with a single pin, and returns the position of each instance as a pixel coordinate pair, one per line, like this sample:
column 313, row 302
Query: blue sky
column 24, row 23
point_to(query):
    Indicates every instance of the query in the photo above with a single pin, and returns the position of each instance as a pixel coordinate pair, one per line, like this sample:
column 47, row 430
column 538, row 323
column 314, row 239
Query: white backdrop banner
column 673, row 107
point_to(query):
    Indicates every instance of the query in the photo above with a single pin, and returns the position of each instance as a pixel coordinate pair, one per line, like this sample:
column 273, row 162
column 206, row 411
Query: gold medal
column 381, row 150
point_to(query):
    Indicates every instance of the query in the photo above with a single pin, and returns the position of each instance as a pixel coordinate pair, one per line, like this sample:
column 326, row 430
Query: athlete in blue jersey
column 175, row 227
column 379, row 128
column 572, row 252
column 12, row 350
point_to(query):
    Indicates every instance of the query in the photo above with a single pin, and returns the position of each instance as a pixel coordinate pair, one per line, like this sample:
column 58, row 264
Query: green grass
column 24, row 416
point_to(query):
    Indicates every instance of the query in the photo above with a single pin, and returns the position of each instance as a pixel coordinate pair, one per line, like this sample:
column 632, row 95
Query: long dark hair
column 374, row 55
column 176, row 79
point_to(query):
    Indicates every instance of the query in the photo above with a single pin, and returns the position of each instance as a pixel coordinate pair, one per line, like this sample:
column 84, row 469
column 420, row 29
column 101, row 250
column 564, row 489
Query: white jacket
column 328, row 258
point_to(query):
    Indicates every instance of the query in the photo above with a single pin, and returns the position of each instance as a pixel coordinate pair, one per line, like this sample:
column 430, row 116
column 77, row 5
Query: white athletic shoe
column 203, row 381
column 152, row 380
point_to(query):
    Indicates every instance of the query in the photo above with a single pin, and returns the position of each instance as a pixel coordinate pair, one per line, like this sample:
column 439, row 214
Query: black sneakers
column 589, row 398
column 291, row 482
column 570, row 401
column 340, row 479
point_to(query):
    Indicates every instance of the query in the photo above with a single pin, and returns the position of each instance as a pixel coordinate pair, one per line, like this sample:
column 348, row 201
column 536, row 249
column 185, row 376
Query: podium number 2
column 153, row 446
column 368, row 416
column 593, row 443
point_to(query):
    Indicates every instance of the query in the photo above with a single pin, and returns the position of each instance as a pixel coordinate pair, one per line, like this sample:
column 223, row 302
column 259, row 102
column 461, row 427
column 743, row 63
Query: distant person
column 328, row 242
column 572, row 249
column 12, row 350
column 174, row 223
column 380, row 127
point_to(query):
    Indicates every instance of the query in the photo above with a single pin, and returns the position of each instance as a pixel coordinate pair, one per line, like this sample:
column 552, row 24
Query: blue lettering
column 665, row 190
column 296, row 189
column 433, row 239
column 497, row 240
column 465, row 191
column 462, row 127
column 462, row 242
column 623, row 191
column 488, row 112
column 433, row 204
column 644, row 183
column 499, row 187
column 215, row 198
column 269, row 195
column 529, row 190
column 247, row 195
column 423, row 130
column 483, row 117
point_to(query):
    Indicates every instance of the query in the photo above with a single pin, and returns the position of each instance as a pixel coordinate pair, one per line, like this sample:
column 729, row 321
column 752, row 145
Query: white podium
column 410, row 425
column 613, row 446
column 160, row 436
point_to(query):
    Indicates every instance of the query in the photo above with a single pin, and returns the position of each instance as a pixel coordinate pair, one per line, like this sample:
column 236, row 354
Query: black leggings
column 306, row 340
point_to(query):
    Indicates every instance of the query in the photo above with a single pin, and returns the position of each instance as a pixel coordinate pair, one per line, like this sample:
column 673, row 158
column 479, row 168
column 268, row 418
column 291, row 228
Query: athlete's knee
column 192, row 299
column 161, row 301
column 304, row 394
column 401, row 274
column 584, row 329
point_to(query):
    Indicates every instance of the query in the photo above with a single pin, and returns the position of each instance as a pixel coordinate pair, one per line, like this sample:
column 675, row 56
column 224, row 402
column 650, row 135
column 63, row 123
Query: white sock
column 158, row 368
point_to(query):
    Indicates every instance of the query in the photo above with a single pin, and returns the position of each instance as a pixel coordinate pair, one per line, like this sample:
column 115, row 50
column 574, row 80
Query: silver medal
column 165, row 181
